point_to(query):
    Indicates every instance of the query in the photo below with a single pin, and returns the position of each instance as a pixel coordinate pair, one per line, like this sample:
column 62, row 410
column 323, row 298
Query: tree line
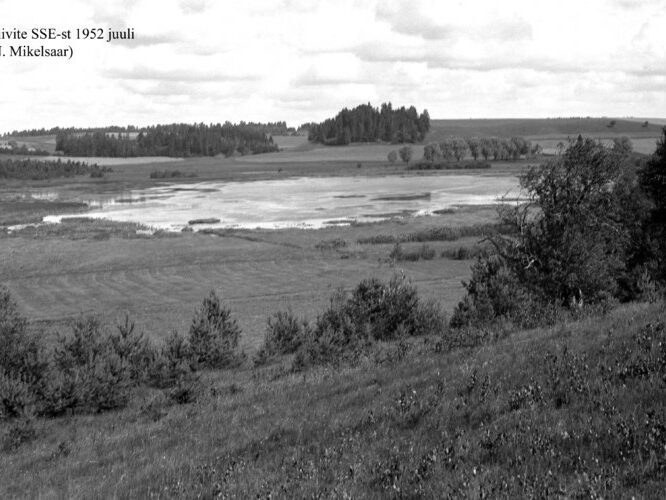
column 181, row 140
column 487, row 147
column 365, row 123
column 28, row 169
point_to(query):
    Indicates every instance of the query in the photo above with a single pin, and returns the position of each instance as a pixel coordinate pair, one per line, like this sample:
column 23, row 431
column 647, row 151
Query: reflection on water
column 299, row 202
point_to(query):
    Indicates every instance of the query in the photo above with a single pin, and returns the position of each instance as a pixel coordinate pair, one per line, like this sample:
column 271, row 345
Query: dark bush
column 213, row 336
column 284, row 335
column 16, row 396
column 89, row 376
column 373, row 311
column 424, row 252
column 172, row 364
column 18, row 433
column 132, row 349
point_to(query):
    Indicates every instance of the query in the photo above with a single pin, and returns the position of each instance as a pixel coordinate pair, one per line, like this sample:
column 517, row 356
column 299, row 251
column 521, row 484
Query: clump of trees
column 591, row 232
column 373, row 311
column 178, row 139
column 91, row 370
column 365, row 123
column 11, row 168
column 495, row 148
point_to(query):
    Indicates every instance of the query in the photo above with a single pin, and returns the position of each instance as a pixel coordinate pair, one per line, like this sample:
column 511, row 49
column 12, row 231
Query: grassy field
column 540, row 128
column 57, row 273
column 573, row 411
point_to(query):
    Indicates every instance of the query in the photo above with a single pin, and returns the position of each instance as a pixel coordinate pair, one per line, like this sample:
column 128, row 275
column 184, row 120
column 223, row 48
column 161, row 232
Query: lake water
column 308, row 202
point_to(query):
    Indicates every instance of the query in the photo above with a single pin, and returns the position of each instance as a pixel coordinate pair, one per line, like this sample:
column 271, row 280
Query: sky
column 303, row 60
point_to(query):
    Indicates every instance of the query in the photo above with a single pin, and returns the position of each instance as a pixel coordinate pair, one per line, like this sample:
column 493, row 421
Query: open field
column 540, row 128
column 57, row 275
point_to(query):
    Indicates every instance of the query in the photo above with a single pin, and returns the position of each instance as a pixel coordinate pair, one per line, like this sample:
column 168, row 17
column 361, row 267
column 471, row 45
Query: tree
column 432, row 152
column 405, row 153
column 571, row 239
column 571, row 242
column 622, row 145
column 459, row 148
column 652, row 179
column 392, row 156
column 214, row 334
column 474, row 146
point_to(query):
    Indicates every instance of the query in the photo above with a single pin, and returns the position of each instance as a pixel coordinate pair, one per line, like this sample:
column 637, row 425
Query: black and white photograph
column 333, row 249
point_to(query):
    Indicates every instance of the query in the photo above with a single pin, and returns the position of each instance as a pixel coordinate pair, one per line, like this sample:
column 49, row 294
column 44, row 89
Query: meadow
column 571, row 410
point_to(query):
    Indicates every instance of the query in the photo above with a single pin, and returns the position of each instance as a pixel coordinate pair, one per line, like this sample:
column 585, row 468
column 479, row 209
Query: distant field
column 641, row 144
column 540, row 128
column 43, row 142
column 105, row 161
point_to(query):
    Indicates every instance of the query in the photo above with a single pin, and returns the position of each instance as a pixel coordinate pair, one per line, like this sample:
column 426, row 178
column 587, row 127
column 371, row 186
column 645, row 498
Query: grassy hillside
column 575, row 411
column 539, row 128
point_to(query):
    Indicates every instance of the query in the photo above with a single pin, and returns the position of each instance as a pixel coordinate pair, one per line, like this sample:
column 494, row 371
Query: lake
column 307, row 202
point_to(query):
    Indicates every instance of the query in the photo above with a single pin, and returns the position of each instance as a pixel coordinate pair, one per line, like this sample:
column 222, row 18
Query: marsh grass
column 87, row 228
column 443, row 233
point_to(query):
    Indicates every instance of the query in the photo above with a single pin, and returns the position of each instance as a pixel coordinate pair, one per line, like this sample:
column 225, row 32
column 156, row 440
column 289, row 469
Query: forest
column 365, row 123
column 176, row 140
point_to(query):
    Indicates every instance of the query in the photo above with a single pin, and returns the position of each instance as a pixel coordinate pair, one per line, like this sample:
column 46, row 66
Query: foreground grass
column 577, row 410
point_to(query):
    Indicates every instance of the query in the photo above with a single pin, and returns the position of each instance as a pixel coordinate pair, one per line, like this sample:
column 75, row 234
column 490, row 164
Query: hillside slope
column 577, row 410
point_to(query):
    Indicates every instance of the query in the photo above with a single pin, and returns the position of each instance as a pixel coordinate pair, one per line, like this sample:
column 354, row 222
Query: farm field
column 160, row 280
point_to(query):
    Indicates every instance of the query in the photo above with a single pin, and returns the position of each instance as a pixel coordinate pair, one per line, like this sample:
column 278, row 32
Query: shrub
column 132, row 349
column 213, row 336
column 21, row 355
column 424, row 252
column 172, row 364
column 387, row 309
column 89, row 376
column 492, row 292
column 284, row 335
column 373, row 311
column 20, row 432
column 16, row 396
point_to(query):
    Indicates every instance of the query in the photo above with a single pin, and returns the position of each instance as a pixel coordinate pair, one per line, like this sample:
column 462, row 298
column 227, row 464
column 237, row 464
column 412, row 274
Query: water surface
column 308, row 202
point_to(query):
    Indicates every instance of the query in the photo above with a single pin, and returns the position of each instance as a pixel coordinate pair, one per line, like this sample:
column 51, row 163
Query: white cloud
column 298, row 60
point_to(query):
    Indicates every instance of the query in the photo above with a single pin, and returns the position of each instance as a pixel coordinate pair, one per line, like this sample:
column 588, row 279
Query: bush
column 22, row 355
column 213, row 336
column 133, row 350
column 424, row 252
column 284, row 335
column 16, row 396
column 89, row 376
column 18, row 433
column 492, row 292
column 373, row 311
column 388, row 310
column 172, row 364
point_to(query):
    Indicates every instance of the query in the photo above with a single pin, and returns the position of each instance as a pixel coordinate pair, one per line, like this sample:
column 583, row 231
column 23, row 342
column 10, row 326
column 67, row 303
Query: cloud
column 414, row 19
column 177, row 75
column 143, row 40
column 194, row 6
